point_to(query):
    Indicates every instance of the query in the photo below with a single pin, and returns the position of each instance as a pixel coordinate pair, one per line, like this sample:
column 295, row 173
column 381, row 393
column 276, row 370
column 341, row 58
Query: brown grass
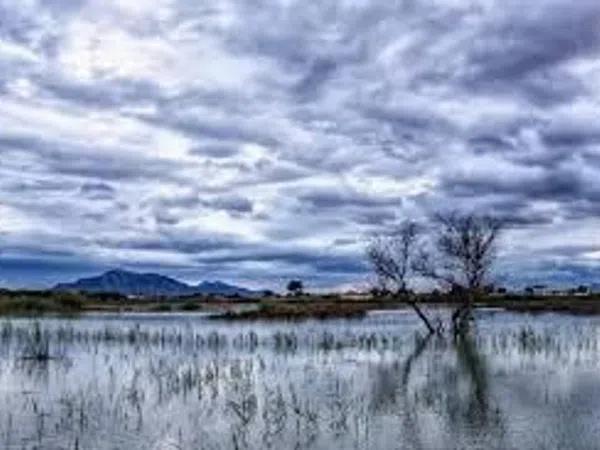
column 270, row 308
column 34, row 304
column 300, row 310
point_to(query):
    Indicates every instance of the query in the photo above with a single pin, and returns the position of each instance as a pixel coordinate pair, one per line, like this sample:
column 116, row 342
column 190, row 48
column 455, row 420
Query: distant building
column 541, row 290
column 538, row 289
column 497, row 292
column 582, row 291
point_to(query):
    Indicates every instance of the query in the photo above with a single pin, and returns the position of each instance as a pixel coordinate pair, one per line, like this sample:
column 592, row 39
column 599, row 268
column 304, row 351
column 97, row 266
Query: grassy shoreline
column 271, row 308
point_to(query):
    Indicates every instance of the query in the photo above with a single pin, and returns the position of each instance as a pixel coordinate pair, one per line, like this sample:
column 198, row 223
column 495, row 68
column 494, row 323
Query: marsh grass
column 161, row 307
column 272, row 308
column 37, row 347
column 34, row 305
column 301, row 310
column 191, row 305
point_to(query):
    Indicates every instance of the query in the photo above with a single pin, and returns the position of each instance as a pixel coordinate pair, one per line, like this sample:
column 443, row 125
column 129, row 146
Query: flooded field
column 184, row 382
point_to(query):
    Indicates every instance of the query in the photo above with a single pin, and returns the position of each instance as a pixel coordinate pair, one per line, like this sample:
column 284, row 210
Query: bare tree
column 465, row 250
column 391, row 257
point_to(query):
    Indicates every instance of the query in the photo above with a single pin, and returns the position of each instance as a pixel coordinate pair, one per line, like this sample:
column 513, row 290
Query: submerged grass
column 37, row 345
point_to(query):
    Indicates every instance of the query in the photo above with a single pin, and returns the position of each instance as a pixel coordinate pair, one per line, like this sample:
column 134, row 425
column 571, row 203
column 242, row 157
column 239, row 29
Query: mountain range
column 150, row 285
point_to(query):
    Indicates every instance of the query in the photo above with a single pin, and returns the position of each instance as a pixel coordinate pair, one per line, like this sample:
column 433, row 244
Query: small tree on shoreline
column 295, row 287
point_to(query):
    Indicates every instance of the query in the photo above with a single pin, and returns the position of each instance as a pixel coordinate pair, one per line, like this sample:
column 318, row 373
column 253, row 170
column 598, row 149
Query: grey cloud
column 338, row 198
column 232, row 203
column 166, row 218
column 68, row 158
column 218, row 150
column 557, row 185
column 37, row 187
column 489, row 143
column 211, row 128
column 383, row 217
column 516, row 45
column 319, row 72
column 572, row 136
column 525, row 53
column 195, row 200
column 115, row 168
column 316, row 261
column 170, row 242
column 102, row 94
column 98, row 191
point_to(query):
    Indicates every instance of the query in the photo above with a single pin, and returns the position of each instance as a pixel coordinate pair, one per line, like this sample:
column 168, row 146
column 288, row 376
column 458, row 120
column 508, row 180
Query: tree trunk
column 420, row 313
column 462, row 315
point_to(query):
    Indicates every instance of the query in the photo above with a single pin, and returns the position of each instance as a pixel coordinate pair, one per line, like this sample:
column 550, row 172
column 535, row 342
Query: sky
column 255, row 141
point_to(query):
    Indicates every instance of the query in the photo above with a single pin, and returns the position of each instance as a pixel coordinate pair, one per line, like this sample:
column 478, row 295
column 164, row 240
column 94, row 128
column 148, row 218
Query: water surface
column 181, row 381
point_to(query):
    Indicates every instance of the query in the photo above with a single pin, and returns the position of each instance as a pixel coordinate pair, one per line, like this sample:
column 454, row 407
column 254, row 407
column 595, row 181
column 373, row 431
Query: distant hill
column 149, row 285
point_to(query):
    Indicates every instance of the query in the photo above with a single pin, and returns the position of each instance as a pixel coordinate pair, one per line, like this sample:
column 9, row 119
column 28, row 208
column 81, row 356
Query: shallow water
column 180, row 381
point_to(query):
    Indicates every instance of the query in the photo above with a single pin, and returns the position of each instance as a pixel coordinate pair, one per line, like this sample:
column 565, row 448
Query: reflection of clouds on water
column 165, row 383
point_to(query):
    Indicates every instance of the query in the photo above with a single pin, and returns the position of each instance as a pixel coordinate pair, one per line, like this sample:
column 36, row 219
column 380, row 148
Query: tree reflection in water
column 447, row 398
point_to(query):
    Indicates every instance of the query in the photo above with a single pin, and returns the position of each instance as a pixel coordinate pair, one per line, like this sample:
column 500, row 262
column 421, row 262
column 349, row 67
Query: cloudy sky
column 252, row 141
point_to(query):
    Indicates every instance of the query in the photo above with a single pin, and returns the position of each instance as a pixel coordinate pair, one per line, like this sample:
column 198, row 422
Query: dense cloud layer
column 259, row 140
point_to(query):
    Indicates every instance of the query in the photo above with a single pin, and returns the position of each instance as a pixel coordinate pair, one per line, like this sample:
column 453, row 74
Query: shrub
column 68, row 300
column 190, row 306
column 162, row 307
